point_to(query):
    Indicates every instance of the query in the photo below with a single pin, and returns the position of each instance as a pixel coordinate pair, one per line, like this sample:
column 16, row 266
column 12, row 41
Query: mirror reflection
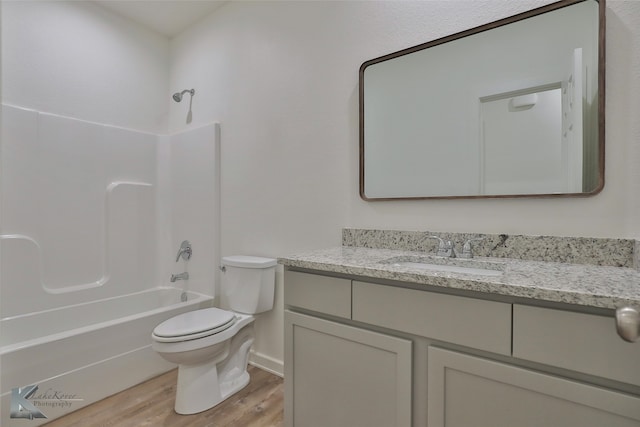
column 508, row 109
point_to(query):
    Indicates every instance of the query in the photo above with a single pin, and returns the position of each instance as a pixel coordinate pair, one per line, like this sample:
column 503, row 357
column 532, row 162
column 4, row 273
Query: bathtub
column 79, row 354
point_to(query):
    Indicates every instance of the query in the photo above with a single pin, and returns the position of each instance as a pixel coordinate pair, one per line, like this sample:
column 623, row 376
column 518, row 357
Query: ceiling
column 168, row 17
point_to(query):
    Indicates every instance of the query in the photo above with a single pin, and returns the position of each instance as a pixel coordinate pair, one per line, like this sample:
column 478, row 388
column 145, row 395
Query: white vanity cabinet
column 475, row 362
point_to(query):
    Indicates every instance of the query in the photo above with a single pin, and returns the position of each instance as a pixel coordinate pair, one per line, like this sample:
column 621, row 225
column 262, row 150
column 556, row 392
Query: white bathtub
column 79, row 354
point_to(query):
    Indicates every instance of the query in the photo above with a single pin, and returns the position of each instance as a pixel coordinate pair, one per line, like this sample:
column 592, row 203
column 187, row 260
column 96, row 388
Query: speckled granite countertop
column 586, row 285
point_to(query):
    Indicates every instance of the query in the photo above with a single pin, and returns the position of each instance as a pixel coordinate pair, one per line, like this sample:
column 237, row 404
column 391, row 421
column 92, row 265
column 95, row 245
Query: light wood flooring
column 259, row 404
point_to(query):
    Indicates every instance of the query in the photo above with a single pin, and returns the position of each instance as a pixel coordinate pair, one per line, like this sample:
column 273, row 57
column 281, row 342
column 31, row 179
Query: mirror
column 514, row 108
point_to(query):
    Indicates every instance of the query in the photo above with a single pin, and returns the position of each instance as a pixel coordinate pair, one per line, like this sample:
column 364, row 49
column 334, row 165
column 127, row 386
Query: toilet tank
column 249, row 282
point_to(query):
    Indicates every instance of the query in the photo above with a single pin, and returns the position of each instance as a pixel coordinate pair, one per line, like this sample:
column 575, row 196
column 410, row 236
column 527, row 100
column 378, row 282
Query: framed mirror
column 514, row 108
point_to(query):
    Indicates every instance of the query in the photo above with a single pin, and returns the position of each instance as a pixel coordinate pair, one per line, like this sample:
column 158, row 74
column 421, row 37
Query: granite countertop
column 579, row 284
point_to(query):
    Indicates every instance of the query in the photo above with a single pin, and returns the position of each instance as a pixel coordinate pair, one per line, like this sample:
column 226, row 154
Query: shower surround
column 87, row 239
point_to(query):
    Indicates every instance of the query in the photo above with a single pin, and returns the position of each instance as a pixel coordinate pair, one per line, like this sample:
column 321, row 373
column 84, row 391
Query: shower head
column 178, row 95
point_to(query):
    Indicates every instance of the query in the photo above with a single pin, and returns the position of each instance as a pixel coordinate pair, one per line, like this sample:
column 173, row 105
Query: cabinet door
column 470, row 391
column 341, row 376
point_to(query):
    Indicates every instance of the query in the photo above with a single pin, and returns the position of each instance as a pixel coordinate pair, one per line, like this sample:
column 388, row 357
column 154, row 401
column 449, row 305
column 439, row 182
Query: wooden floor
column 259, row 404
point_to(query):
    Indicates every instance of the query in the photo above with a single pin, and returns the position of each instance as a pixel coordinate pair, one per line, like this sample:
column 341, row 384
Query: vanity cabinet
column 380, row 354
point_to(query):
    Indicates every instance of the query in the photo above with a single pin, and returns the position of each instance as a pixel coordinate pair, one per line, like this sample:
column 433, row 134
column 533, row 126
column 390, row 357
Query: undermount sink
column 450, row 268
column 461, row 266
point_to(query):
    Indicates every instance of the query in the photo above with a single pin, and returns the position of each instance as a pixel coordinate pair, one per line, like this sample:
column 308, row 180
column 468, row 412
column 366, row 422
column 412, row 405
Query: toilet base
column 206, row 393
column 205, row 385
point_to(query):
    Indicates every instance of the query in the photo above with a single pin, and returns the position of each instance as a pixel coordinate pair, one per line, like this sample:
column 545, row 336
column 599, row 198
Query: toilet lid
column 195, row 322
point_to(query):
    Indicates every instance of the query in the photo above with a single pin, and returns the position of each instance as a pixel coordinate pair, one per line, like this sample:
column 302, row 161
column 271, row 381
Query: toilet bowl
column 211, row 346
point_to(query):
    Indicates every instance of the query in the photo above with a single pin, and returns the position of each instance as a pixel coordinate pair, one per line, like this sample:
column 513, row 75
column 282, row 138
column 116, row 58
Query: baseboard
column 267, row 363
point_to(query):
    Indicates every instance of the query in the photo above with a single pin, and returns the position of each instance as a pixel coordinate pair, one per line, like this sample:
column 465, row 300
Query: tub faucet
column 181, row 276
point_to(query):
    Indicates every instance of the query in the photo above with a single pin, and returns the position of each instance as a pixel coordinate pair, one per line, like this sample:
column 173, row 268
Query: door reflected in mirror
column 514, row 108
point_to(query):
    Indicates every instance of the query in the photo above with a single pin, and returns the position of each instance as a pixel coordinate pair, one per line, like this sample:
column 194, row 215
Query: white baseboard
column 267, row 363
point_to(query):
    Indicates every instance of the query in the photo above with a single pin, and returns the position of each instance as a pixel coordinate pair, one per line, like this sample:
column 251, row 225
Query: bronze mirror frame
column 502, row 22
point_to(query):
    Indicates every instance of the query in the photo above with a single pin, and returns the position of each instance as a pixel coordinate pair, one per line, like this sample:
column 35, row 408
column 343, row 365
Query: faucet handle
column 445, row 248
column 466, row 248
column 184, row 251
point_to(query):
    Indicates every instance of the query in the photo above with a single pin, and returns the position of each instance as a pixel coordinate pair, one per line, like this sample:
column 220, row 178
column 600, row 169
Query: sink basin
column 449, row 268
column 449, row 265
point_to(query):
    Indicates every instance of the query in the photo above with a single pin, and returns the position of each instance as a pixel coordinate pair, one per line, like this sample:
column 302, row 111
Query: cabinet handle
column 628, row 323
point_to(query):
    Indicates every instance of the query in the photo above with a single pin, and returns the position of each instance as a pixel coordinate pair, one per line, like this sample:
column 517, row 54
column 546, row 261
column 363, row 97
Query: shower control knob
column 628, row 323
column 185, row 251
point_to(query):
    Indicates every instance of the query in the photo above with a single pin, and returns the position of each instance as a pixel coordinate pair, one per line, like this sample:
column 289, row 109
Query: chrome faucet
column 181, row 276
column 447, row 249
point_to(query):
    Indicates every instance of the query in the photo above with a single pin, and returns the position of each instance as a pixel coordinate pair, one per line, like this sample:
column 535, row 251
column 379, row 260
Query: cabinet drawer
column 485, row 325
column 330, row 295
column 581, row 342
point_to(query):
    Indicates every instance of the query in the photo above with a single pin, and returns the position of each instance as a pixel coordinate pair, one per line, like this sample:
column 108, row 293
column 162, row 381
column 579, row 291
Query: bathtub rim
column 198, row 299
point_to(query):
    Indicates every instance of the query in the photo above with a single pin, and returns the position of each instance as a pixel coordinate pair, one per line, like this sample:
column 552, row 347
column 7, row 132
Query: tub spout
column 181, row 276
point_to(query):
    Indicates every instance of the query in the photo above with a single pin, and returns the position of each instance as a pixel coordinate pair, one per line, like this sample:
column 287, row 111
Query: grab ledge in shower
column 105, row 276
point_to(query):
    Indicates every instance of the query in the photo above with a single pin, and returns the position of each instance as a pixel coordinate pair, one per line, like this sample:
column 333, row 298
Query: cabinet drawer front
column 485, row 325
column 330, row 295
column 580, row 342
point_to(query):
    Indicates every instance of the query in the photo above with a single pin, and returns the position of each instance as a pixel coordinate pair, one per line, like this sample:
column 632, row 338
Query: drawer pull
column 628, row 323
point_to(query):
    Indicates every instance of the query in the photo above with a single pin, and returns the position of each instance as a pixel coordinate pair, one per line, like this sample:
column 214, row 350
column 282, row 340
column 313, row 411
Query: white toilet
column 211, row 345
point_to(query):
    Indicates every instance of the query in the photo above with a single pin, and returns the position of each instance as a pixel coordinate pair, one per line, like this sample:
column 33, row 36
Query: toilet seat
column 194, row 324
